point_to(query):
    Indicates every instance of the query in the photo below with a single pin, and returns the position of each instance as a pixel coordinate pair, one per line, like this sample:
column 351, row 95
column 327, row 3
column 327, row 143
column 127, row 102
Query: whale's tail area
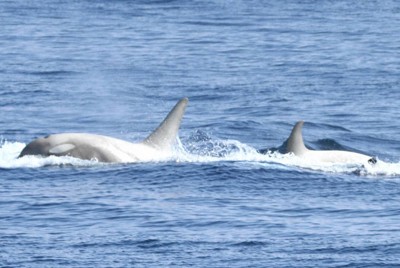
column 295, row 143
column 165, row 134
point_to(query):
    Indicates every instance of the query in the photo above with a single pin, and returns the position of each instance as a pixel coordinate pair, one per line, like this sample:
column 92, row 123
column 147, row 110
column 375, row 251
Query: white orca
column 296, row 146
column 107, row 149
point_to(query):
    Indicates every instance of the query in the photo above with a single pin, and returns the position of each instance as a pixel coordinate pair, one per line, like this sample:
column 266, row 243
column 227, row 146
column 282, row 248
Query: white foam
column 381, row 169
column 213, row 150
column 217, row 151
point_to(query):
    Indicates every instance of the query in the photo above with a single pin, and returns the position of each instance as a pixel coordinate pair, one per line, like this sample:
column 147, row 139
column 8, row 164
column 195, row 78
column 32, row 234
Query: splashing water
column 206, row 150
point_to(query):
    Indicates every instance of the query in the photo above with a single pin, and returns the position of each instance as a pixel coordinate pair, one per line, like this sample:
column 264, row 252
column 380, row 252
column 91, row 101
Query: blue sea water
column 251, row 69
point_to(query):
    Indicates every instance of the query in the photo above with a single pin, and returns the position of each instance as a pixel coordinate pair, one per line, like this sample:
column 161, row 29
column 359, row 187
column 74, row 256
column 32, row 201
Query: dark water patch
column 217, row 23
column 251, row 244
column 24, row 91
column 49, row 73
column 140, row 244
column 330, row 144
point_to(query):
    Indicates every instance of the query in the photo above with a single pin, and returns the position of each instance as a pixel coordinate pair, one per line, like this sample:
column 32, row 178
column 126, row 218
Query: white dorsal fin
column 61, row 149
column 295, row 143
column 165, row 134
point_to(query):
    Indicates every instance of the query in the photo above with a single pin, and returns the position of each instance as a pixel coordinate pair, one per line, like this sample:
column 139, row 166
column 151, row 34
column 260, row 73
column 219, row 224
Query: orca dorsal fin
column 295, row 143
column 165, row 134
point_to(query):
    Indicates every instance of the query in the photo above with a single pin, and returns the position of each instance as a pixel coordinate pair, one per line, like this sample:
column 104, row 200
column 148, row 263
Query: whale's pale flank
column 295, row 145
column 107, row 149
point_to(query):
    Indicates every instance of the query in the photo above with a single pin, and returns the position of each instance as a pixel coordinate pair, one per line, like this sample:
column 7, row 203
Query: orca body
column 295, row 145
column 107, row 149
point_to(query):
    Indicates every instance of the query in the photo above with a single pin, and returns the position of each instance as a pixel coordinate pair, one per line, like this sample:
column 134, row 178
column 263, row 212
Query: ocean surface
column 226, row 197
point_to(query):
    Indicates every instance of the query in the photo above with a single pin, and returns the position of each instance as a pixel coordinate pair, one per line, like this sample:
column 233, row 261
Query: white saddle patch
column 62, row 148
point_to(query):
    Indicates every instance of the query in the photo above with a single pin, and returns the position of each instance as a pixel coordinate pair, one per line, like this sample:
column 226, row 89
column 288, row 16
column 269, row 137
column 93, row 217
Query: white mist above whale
column 107, row 149
column 295, row 145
